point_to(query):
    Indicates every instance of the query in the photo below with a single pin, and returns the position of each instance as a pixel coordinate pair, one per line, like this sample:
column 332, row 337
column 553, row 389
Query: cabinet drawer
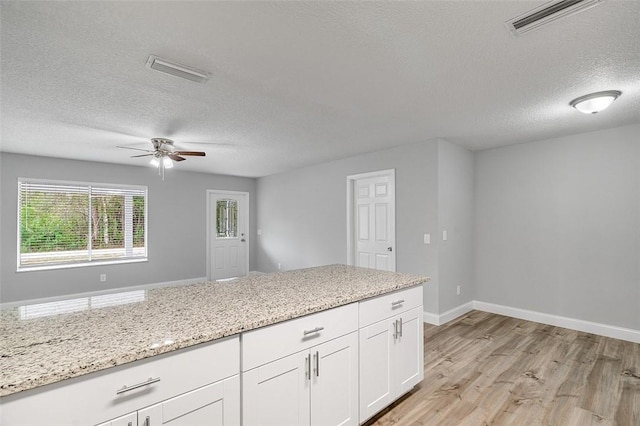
column 278, row 340
column 387, row 305
column 92, row 398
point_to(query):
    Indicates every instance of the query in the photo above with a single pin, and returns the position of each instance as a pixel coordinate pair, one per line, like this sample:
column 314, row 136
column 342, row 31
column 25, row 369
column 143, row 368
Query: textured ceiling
column 299, row 83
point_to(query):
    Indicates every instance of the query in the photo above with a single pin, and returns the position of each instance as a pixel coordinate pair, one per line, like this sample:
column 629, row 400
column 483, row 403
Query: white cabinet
column 391, row 349
column 217, row 404
column 119, row 391
column 130, row 419
column 317, row 384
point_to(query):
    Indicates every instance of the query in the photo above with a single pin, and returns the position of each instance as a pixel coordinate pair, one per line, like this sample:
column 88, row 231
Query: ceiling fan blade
column 136, row 149
column 194, row 153
column 141, row 155
column 175, row 157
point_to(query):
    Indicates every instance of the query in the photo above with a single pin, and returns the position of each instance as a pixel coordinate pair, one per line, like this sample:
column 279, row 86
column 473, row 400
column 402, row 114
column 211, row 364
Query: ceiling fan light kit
column 164, row 154
column 595, row 102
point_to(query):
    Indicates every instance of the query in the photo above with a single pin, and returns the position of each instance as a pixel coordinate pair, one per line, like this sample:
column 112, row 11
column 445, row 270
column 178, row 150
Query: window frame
column 88, row 185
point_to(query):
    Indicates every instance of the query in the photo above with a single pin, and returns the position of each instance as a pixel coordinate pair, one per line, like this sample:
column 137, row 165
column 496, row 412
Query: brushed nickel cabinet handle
column 400, row 322
column 147, row 382
column 397, row 302
column 317, row 364
column 315, row 330
column 307, row 367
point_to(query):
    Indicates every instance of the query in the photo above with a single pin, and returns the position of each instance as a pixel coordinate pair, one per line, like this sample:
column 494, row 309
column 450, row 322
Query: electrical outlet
column 444, row 235
column 458, row 290
column 103, row 278
column 427, row 238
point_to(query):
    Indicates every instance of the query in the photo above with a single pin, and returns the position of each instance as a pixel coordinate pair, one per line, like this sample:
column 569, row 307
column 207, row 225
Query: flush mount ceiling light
column 595, row 102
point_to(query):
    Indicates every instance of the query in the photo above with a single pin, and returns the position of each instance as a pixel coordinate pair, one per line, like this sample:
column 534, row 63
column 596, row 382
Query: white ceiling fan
column 164, row 153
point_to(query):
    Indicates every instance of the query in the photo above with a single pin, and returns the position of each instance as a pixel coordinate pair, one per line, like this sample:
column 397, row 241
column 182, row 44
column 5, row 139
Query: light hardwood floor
column 487, row 369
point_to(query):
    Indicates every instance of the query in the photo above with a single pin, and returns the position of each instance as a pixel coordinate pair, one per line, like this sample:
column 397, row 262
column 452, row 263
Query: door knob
column 389, row 248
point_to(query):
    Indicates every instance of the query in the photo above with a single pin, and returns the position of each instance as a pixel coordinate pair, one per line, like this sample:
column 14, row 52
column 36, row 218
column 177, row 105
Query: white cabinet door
column 277, row 393
column 391, row 360
column 217, row 404
column 128, row 420
column 409, row 345
column 318, row 386
column 334, row 382
column 376, row 375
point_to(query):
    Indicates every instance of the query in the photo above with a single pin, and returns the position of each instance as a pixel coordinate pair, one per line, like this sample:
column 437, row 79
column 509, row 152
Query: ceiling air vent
column 177, row 70
column 546, row 13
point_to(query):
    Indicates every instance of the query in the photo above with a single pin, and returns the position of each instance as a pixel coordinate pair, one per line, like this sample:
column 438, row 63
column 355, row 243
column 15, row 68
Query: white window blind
column 64, row 224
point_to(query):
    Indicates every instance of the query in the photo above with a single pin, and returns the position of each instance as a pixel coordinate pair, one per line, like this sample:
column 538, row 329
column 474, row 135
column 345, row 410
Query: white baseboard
column 100, row 292
column 560, row 321
column 555, row 320
column 450, row 315
column 430, row 318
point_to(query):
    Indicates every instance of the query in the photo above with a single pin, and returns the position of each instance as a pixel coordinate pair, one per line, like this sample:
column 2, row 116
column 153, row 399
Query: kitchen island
column 41, row 346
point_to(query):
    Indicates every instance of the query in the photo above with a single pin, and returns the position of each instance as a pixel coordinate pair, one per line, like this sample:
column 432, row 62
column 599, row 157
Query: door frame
column 211, row 193
column 351, row 231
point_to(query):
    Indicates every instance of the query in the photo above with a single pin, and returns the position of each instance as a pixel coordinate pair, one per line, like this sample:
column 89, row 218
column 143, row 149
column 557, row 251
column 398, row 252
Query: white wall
column 558, row 226
column 176, row 233
column 455, row 215
column 302, row 214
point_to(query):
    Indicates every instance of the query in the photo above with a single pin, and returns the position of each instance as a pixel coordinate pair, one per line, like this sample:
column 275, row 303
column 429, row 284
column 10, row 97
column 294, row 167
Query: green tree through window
column 72, row 223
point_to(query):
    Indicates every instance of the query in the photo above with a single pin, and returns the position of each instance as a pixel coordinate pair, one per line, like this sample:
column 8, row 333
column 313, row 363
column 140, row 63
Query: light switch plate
column 427, row 238
column 444, row 235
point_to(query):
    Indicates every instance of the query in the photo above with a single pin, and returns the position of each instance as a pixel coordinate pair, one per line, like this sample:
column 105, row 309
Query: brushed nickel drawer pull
column 148, row 382
column 397, row 302
column 315, row 330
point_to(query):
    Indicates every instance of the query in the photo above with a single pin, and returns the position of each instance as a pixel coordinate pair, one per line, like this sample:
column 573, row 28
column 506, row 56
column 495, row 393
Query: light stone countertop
column 39, row 345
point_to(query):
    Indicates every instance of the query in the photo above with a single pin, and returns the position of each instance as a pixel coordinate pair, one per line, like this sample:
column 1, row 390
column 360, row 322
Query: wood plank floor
column 488, row 369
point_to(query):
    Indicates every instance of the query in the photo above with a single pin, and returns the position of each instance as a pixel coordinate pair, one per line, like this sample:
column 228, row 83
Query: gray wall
column 558, row 226
column 455, row 215
column 302, row 214
column 176, row 226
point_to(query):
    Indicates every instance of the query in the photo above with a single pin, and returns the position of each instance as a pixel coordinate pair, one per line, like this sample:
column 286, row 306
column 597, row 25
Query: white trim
column 391, row 173
column 599, row 329
column 456, row 312
column 431, row 318
column 210, row 193
column 450, row 315
column 101, row 292
column 560, row 321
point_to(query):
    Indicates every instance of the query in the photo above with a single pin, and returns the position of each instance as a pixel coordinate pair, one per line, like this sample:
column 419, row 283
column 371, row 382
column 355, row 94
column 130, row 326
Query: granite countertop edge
column 120, row 358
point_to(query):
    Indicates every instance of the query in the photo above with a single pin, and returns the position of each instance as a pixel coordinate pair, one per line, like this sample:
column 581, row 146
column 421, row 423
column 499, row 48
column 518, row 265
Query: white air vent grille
column 546, row 13
column 177, row 70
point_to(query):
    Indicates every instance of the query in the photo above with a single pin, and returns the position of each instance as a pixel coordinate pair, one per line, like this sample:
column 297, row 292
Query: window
column 227, row 218
column 68, row 224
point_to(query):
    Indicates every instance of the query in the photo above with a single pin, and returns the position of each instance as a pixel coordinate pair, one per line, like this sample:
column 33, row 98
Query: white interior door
column 372, row 220
column 228, row 234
